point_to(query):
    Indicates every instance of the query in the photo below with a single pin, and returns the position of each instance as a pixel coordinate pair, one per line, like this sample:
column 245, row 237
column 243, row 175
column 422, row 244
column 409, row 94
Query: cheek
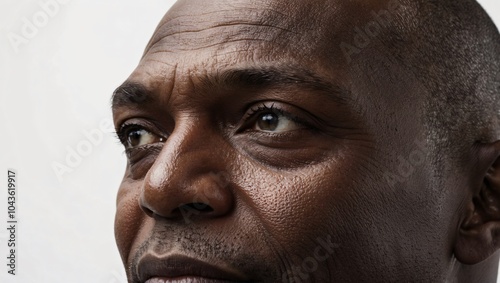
column 128, row 219
column 297, row 208
column 302, row 214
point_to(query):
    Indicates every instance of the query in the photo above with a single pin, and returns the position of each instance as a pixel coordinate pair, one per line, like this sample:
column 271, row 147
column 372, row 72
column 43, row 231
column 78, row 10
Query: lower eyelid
column 146, row 149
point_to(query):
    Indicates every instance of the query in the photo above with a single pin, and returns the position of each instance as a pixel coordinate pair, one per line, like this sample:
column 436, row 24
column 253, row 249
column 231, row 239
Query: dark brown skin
column 251, row 140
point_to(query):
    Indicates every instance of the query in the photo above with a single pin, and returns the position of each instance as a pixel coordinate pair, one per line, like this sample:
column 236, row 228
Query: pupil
column 134, row 138
column 268, row 122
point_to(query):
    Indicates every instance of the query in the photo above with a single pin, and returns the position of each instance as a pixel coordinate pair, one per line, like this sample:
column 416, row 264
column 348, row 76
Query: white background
column 54, row 91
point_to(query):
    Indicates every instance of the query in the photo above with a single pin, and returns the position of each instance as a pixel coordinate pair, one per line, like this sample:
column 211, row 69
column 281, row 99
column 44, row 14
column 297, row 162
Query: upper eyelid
column 261, row 107
column 124, row 127
column 256, row 109
column 143, row 123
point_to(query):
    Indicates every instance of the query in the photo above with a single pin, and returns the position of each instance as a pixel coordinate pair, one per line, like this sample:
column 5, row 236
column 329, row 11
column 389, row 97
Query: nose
column 188, row 180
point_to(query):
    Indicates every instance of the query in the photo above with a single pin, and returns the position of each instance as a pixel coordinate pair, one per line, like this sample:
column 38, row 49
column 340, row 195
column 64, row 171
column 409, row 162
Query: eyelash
column 125, row 128
column 263, row 108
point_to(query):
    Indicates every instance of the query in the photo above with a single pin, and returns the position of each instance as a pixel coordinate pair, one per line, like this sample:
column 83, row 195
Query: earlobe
column 479, row 234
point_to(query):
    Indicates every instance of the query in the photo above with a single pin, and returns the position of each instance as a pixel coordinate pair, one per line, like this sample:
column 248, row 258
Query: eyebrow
column 130, row 93
column 135, row 94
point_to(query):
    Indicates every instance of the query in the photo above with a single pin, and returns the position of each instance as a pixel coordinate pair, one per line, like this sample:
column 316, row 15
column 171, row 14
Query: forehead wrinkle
column 207, row 38
column 219, row 45
column 201, row 30
column 226, row 24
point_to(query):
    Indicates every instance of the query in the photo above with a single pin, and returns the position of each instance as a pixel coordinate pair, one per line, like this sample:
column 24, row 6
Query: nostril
column 148, row 211
column 194, row 208
column 198, row 206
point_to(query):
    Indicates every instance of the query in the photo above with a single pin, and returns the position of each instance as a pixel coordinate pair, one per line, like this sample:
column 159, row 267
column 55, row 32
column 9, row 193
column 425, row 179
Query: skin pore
column 257, row 145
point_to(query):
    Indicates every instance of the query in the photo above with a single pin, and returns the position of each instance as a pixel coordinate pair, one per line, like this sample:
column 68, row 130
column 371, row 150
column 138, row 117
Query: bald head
column 313, row 141
column 455, row 54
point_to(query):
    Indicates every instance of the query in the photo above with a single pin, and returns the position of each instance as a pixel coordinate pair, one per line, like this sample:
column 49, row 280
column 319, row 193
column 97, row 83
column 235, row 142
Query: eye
column 133, row 136
column 275, row 122
column 271, row 117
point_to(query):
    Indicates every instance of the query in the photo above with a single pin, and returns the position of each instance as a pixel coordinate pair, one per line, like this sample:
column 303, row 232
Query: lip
column 178, row 268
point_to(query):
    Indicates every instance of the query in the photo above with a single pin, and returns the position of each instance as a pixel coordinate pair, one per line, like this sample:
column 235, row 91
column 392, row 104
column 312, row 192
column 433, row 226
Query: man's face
column 257, row 152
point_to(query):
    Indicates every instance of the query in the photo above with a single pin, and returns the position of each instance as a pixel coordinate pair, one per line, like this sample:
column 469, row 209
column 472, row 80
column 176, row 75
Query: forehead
column 212, row 35
column 223, row 33
column 193, row 25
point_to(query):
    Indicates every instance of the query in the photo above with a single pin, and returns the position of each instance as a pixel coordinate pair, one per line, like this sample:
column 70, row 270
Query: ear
column 479, row 235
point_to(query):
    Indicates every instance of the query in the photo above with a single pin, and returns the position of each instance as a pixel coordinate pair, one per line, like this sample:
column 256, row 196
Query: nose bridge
column 189, row 172
column 186, row 152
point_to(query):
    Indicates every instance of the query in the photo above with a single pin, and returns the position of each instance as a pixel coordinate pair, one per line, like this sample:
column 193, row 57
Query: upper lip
column 151, row 266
